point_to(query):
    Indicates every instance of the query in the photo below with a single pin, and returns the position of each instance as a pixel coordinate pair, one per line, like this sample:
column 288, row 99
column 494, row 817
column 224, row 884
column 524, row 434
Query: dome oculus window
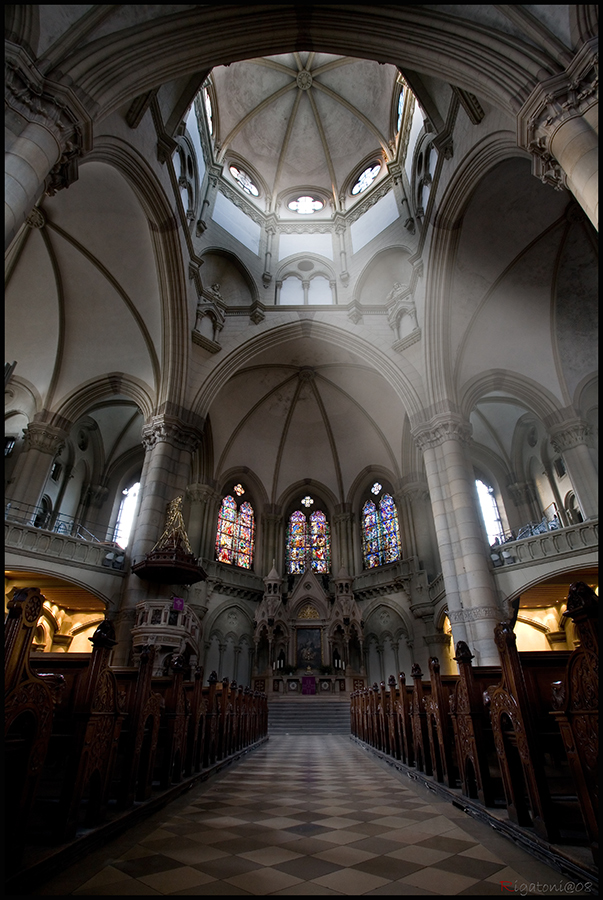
column 305, row 206
column 366, row 178
column 244, row 181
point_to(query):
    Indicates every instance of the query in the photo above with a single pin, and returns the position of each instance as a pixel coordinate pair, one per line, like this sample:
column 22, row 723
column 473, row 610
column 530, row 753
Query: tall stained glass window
column 308, row 539
column 235, row 534
column 380, row 532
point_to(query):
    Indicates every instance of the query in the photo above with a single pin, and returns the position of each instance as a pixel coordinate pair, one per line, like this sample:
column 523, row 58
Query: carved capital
column 439, row 430
column 172, row 431
column 201, row 493
column 570, row 436
column 55, row 107
column 45, row 438
column 552, row 103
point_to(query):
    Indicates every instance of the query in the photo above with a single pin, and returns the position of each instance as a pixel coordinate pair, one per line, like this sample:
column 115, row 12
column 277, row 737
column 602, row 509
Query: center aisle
column 306, row 814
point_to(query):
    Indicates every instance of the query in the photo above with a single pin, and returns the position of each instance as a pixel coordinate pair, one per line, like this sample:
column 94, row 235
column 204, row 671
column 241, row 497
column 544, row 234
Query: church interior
column 300, row 395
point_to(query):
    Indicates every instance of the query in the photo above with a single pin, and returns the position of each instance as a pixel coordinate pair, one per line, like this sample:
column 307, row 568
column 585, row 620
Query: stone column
column 438, row 645
column 524, row 497
column 470, row 590
column 381, row 666
column 169, row 443
column 272, row 544
column 306, row 288
column 344, row 545
column 47, row 130
column 221, row 651
column 570, row 440
column 201, row 525
column 558, row 125
column 42, row 444
column 237, row 654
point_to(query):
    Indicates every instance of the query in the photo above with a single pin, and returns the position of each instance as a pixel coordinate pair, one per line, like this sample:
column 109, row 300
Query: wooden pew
column 420, row 731
column 576, row 706
column 441, row 732
column 30, row 701
column 140, row 731
column 80, row 765
column 527, row 744
column 478, row 767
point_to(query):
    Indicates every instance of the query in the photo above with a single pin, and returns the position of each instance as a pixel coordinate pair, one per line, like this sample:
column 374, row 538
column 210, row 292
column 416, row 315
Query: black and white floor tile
column 304, row 815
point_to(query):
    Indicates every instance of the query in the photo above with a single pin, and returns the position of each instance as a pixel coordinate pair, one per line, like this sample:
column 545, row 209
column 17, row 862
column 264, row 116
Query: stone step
column 311, row 717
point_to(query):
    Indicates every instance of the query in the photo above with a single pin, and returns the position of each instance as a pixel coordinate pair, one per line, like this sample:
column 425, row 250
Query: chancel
column 301, row 447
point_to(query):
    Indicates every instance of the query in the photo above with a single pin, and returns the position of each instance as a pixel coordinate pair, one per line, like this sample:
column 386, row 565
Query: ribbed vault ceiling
column 304, row 119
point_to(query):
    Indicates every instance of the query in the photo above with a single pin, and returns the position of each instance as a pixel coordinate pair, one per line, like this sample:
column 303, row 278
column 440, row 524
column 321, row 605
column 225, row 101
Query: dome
column 304, row 133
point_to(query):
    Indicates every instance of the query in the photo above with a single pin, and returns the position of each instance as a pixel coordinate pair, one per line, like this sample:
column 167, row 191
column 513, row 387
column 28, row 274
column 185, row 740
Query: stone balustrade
column 19, row 538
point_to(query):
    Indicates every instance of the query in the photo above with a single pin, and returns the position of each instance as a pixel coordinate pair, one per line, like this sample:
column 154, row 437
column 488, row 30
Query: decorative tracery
column 308, row 543
column 235, row 533
column 380, row 532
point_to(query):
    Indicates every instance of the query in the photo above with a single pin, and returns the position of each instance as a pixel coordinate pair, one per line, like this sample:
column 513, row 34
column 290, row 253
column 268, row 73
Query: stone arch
column 400, row 381
column 536, row 398
column 436, row 43
column 384, row 270
column 446, row 227
column 172, row 283
column 225, row 260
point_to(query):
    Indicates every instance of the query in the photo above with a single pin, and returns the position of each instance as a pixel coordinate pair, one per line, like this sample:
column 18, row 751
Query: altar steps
column 309, row 716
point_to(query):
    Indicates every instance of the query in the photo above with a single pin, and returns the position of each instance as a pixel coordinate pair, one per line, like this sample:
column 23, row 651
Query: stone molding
column 377, row 194
column 172, row 431
column 437, row 638
column 474, row 614
column 45, row 438
column 241, row 203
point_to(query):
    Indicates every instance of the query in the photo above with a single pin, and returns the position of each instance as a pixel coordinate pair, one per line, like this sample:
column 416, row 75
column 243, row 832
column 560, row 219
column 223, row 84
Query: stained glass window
column 235, row 533
column 380, row 532
column 400, row 108
column 244, row 181
column 366, row 179
column 308, row 539
column 305, row 206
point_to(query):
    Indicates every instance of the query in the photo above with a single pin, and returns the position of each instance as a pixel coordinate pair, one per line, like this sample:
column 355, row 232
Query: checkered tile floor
column 306, row 814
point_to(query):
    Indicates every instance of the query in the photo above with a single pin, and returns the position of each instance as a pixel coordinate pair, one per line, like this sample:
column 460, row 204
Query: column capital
column 45, row 438
column 201, row 493
column 551, row 104
column 568, row 435
column 172, row 430
column 443, row 427
column 53, row 106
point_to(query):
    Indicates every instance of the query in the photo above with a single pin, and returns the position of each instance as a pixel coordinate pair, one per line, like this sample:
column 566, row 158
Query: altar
column 308, row 684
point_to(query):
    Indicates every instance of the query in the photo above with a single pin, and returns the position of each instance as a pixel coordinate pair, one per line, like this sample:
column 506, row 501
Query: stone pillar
column 202, row 512
column 570, row 440
column 306, row 288
column 381, row 665
column 558, row 125
column 221, row 651
column 470, row 590
column 169, row 443
column 42, row 444
column 249, row 666
column 272, row 544
column 47, row 130
column 237, row 655
column 417, row 531
column 438, row 645
column 343, row 546
column 277, row 296
column 524, row 497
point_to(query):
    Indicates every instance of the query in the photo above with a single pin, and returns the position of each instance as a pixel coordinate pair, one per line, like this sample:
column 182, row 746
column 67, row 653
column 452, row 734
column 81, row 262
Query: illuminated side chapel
column 332, row 282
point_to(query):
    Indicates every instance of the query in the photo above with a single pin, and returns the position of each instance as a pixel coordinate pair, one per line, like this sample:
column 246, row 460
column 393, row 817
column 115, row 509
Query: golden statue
column 174, row 536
